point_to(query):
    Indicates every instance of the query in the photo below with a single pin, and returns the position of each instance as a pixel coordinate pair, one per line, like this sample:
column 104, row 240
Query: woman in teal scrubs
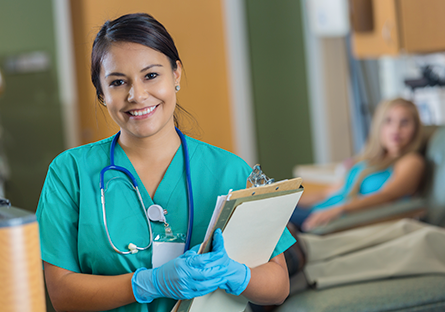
column 136, row 71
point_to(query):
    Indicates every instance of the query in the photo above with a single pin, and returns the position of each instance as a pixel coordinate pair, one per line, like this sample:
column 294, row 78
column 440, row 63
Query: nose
column 399, row 126
column 137, row 93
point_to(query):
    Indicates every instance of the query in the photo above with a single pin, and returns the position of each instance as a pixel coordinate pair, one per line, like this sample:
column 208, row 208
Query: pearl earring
column 177, row 88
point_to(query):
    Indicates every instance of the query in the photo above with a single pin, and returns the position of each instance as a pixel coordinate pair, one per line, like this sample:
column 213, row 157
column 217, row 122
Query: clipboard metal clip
column 258, row 178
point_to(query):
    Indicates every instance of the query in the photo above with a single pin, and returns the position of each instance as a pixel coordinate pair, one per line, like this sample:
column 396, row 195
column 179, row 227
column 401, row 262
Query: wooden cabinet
column 397, row 26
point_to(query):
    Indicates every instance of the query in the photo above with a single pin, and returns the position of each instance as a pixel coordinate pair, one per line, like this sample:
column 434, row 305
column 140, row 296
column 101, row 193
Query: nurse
column 99, row 249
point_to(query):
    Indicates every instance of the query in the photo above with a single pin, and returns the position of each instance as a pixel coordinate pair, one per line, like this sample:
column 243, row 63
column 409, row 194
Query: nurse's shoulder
column 215, row 159
column 84, row 156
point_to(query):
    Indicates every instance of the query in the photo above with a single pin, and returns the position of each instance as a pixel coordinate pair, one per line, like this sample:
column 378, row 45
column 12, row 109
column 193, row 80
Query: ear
column 177, row 72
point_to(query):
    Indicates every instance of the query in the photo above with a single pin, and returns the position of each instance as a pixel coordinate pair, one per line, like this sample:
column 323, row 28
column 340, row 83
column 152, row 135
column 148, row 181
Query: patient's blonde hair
column 375, row 153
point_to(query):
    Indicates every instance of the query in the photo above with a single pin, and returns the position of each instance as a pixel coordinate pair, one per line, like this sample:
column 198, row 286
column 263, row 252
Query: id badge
column 166, row 248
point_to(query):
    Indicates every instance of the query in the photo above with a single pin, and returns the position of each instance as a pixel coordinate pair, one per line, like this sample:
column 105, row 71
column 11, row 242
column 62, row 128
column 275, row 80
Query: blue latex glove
column 187, row 276
column 238, row 275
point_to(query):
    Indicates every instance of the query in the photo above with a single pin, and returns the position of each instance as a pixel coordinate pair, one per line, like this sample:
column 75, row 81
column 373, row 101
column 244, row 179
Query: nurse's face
column 138, row 85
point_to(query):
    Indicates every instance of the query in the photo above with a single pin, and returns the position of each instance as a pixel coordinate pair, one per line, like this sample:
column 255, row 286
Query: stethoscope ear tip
column 133, row 248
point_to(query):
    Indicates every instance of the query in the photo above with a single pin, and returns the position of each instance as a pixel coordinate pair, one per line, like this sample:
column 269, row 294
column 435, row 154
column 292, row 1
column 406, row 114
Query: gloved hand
column 238, row 275
column 187, row 276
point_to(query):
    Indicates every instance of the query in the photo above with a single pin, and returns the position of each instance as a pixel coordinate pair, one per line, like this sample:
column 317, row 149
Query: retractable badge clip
column 157, row 213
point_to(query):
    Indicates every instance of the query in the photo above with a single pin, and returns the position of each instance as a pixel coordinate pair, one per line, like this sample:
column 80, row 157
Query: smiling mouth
column 143, row 111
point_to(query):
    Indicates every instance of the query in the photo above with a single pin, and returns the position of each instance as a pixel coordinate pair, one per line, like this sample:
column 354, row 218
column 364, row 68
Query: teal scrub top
column 70, row 218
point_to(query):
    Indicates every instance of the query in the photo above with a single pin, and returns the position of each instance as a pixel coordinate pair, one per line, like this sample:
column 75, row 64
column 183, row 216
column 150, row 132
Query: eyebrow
column 142, row 70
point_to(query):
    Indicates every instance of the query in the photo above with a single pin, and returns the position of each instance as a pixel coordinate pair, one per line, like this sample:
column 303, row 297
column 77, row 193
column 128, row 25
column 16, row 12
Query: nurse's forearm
column 269, row 283
column 71, row 291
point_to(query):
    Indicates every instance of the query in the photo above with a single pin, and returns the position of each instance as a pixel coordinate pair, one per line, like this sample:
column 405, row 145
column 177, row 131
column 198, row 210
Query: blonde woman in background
column 390, row 168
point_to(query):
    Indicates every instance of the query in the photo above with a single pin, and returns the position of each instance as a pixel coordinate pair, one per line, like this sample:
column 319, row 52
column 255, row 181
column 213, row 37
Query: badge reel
column 166, row 246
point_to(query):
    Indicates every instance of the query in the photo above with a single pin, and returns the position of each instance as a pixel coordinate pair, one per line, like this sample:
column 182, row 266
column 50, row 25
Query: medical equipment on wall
column 428, row 93
column 154, row 212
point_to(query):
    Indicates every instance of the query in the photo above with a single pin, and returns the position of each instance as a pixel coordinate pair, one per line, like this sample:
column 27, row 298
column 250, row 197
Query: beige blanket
column 401, row 248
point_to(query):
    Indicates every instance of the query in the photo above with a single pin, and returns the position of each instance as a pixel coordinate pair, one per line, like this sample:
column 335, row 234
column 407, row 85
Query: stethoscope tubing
column 112, row 166
column 108, row 233
column 191, row 204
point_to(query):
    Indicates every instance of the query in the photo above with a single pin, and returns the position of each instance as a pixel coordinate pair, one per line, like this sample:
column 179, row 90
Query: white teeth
column 143, row 112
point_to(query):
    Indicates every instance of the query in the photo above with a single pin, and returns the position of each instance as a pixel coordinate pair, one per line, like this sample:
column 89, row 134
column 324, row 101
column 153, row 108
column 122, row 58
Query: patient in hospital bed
column 389, row 168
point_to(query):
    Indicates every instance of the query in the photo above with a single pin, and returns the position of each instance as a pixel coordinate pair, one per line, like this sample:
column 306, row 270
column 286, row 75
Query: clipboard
column 267, row 207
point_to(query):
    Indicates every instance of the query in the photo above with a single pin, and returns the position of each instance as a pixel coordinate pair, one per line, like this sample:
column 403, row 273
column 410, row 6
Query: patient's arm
column 405, row 180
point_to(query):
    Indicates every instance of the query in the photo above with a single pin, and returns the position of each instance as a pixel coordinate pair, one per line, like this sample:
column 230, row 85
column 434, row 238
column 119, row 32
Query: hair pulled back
column 138, row 28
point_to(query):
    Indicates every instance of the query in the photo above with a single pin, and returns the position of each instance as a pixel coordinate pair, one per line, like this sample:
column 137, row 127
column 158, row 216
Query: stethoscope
column 155, row 214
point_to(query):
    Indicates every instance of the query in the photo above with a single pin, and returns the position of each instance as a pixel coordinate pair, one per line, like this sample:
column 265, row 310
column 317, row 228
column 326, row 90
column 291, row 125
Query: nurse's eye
column 151, row 76
column 117, row 83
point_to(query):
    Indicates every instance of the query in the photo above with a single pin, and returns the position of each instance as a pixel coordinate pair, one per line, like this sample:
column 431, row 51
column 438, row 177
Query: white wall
column 66, row 72
column 329, row 93
column 240, row 84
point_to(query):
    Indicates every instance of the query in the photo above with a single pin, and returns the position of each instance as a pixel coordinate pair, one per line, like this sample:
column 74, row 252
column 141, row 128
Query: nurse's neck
column 151, row 156
column 162, row 144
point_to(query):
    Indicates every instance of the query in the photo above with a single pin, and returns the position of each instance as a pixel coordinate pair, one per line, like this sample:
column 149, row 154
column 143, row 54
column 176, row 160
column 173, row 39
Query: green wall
column 30, row 113
column 279, row 85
